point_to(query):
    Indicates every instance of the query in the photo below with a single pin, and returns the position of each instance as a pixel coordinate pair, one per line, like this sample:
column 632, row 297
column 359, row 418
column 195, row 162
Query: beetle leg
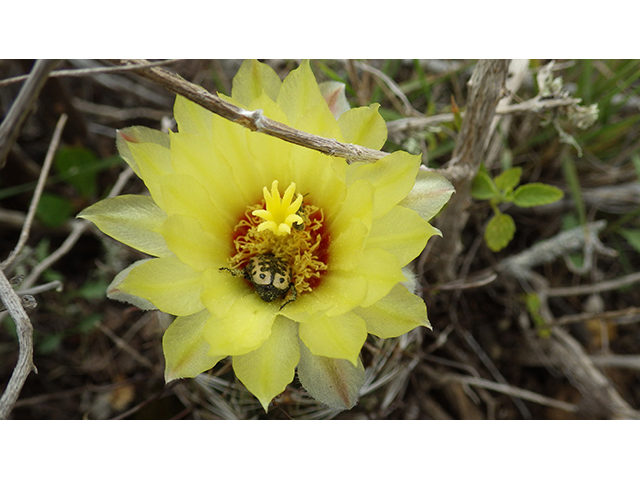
column 292, row 288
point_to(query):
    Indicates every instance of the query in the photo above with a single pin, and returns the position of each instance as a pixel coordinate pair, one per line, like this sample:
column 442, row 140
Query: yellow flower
column 268, row 252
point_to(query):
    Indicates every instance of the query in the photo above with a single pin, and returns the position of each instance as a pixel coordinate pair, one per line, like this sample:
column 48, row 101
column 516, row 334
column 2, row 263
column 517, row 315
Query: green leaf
column 483, row 187
column 53, row 210
column 508, row 179
column 533, row 302
column 499, row 231
column 78, row 168
column 534, row 194
column 633, row 237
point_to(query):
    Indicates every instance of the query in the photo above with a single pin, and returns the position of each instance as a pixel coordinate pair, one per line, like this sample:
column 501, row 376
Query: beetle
column 270, row 276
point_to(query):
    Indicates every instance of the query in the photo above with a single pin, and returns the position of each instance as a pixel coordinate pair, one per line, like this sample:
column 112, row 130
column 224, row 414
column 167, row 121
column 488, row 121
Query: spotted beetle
column 270, row 276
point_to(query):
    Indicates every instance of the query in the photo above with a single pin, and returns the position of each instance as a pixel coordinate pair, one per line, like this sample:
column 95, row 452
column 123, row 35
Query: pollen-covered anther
column 280, row 213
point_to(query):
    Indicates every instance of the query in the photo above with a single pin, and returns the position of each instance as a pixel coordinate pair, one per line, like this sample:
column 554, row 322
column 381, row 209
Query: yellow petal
column 358, row 204
column 254, row 78
column 335, row 337
column 395, row 314
column 346, row 249
column 192, row 118
column 319, row 178
column 220, row 289
column 169, row 284
column 401, row 232
column 332, row 381
column 236, row 161
column 364, row 126
column 382, row 270
column 130, row 219
column 197, row 157
column 304, row 105
column 193, row 245
column 138, row 135
column 244, row 327
column 267, row 371
column 269, row 155
column 154, row 161
column 185, row 195
column 338, row 293
column 114, row 292
column 185, row 349
column 392, row 176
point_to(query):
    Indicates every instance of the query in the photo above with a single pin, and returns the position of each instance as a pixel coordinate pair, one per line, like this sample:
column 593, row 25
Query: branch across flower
column 281, row 282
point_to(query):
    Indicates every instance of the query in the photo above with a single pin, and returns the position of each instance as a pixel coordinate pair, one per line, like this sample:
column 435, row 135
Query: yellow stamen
column 279, row 214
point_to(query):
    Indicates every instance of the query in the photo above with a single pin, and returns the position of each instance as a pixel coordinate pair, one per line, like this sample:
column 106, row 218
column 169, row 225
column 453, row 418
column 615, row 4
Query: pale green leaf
column 483, row 187
column 535, row 194
column 499, row 231
column 508, row 179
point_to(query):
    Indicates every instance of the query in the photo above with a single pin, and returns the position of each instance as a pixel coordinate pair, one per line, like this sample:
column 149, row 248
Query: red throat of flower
column 291, row 229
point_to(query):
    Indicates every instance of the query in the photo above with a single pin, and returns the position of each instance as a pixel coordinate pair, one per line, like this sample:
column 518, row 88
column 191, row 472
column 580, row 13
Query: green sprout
column 502, row 189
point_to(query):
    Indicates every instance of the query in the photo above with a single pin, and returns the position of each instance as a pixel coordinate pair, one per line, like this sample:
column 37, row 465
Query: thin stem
column 85, row 72
column 26, row 228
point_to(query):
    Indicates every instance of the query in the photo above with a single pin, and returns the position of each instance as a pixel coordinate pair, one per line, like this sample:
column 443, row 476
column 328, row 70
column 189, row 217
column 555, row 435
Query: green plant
column 502, row 189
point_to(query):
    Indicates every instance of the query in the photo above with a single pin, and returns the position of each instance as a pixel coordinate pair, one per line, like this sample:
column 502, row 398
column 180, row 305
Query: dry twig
column 485, row 88
column 404, row 126
column 21, row 107
column 25, row 365
column 509, row 390
column 85, row 72
column 253, row 120
column 44, row 173
column 598, row 287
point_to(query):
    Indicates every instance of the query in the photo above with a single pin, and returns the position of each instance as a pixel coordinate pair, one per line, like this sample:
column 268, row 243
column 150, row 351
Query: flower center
column 287, row 229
